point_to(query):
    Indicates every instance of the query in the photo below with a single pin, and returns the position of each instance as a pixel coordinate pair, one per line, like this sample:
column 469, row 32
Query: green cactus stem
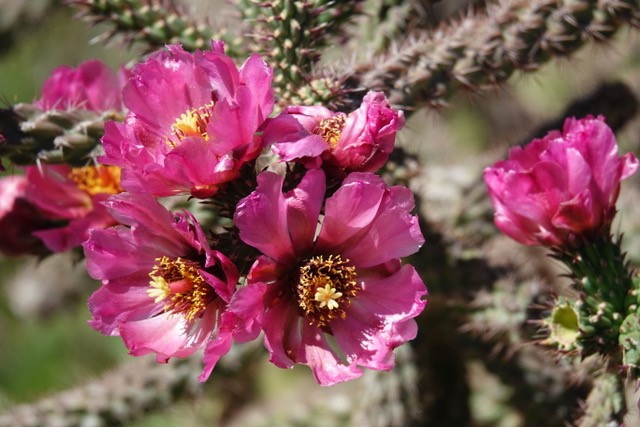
column 292, row 33
column 154, row 23
column 53, row 136
column 608, row 299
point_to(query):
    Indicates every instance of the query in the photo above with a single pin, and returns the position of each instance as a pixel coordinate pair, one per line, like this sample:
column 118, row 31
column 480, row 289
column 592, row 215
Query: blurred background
column 46, row 345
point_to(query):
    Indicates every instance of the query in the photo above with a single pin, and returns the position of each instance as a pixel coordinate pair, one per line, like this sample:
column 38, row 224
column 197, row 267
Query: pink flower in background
column 560, row 187
column 192, row 121
column 346, row 286
column 19, row 219
column 164, row 290
column 92, row 86
column 73, row 197
column 359, row 142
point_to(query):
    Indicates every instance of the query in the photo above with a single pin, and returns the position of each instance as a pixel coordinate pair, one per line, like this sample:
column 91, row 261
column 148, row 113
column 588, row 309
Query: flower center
column 324, row 288
column 330, row 129
column 178, row 283
column 193, row 123
column 97, row 179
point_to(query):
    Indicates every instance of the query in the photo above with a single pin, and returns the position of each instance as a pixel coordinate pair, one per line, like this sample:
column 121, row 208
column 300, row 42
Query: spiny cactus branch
column 483, row 49
column 292, row 33
column 606, row 404
column 606, row 312
column 115, row 399
column 154, row 23
column 54, row 136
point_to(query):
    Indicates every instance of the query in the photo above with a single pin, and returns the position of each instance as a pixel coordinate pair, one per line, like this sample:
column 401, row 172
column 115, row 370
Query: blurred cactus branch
column 130, row 391
column 605, row 405
column 483, row 49
column 153, row 23
column 54, row 136
column 293, row 33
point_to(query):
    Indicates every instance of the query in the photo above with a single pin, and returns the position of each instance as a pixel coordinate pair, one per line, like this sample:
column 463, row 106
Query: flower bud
column 562, row 187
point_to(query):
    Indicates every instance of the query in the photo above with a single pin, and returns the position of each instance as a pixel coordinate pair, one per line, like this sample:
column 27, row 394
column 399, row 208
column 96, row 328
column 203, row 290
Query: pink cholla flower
column 19, row 219
column 359, row 142
column 561, row 187
column 341, row 300
column 164, row 289
column 74, row 196
column 192, row 121
column 91, row 86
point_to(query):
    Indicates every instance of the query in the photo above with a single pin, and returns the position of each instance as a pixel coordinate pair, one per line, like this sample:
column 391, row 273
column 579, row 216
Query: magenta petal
column 111, row 254
column 265, row 232
column 394, row 233
column 92, row 86
column 562, row 187
column 124, row 298
column 51, row 191
column 216, row 348
column 316, row 353
column 351, row 209
column 281, row 325
column 76, row 232
column 630, row 165
column 303, row 207
column 257, row 75
column 247, row 305
column 576, row 214
column 307, row 146
column 164, row 334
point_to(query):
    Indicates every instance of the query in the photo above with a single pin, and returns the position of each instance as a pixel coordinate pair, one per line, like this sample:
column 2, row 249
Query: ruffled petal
column 261, row 218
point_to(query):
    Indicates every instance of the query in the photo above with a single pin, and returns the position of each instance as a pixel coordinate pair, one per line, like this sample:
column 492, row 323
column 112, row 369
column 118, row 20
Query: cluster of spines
column 484, row 49
column 154, row 23
column 292, row 33
column 54, row 136
column 605, row 314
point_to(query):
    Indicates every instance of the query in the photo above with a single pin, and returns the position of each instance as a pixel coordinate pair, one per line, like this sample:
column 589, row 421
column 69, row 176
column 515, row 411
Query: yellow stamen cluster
column 331, row 129
column 97, row 179
column 324, row 288
column 193, row 123
column 178, row 282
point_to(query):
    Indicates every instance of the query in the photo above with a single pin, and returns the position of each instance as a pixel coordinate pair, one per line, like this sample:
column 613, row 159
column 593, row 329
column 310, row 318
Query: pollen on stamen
column 327, row 297
column 331, row 129
column 324, row 288
column 192, row 123
column 178, row 283
column 97, row 179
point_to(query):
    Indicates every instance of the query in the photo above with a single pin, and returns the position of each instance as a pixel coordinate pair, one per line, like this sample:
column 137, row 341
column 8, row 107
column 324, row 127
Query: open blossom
column 73, row 196
column 92, row 86
column 340, row 301
column 164, row 289
column 560, row 187
column 359, row 142
column 19, row 219
column 192, row 121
